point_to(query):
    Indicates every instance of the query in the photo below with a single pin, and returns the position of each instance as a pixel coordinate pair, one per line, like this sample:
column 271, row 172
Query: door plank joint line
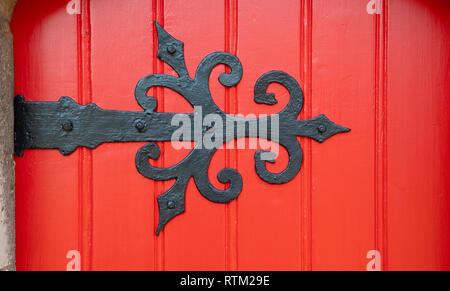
column 306, row 15
column 158, row 68
column 231, row 155
column 381, row 46
column 85, row 161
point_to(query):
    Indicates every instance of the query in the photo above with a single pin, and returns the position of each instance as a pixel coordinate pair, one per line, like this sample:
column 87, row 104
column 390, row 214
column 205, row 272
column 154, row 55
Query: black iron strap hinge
column 66, row 125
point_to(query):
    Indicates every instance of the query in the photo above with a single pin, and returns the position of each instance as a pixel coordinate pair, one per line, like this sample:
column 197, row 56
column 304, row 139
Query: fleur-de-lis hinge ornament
column 66, row 125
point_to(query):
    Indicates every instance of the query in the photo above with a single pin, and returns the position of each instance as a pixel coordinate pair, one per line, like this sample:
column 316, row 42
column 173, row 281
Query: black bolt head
column 140, row 125
column 67, row 125
column 171, row 205
column 322, row 128
column 171, row 49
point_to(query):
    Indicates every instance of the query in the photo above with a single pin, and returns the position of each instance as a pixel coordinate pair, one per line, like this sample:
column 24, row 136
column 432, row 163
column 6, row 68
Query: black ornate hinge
column 65, row 125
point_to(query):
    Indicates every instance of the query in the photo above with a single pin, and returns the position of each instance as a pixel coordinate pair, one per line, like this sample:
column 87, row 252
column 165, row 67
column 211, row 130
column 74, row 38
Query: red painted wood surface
column 385, row 186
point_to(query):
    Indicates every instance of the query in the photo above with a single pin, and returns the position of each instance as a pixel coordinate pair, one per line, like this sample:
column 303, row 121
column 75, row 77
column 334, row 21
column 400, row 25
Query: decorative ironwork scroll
column 66, row 125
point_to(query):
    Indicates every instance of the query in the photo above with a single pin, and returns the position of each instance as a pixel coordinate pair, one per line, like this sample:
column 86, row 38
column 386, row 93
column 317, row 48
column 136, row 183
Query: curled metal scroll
column 197, row 92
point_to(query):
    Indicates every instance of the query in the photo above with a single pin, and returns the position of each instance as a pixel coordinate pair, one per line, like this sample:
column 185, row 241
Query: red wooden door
column 385, row 186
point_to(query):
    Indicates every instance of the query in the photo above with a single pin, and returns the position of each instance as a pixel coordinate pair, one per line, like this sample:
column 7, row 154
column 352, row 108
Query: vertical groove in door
column 306, row 189
column 231, row 158
column 85, row 179
column 158, row 92
column 381, row 134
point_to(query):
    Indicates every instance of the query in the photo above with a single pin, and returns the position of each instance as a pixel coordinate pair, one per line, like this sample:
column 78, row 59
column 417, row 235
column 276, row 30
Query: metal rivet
column 140, row 125
column 322, row 128
column 171, row 205
column 171, row 49
column 67, row 125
